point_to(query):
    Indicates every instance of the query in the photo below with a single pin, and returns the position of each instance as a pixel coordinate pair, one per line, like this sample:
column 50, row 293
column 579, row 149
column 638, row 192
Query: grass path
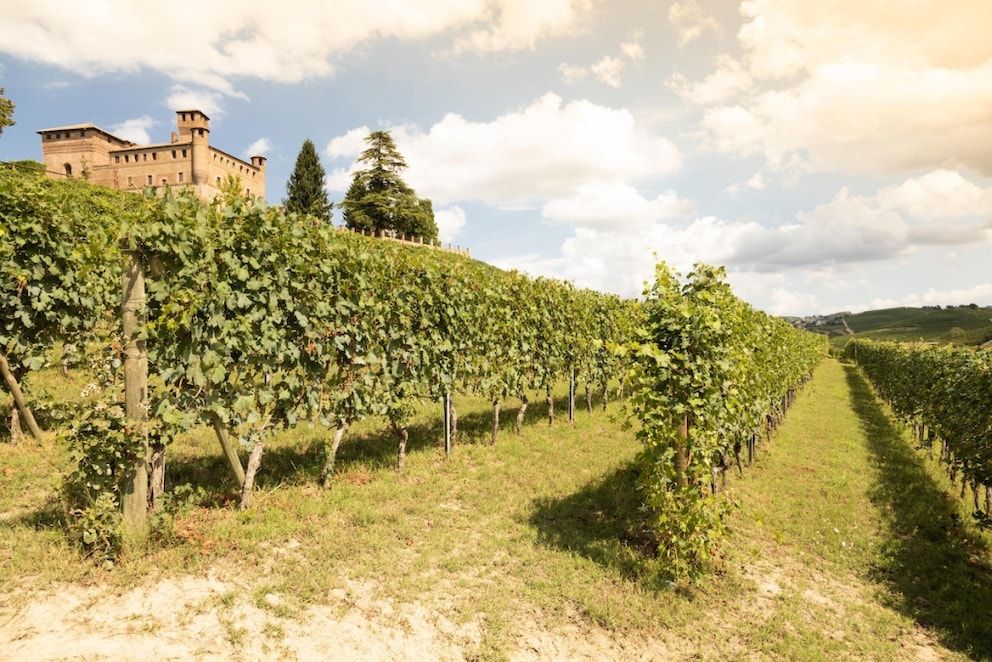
column 846, row 544
column 878, row 558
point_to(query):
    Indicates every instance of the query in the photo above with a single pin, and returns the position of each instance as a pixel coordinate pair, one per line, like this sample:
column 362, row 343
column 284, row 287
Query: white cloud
column 135, row 130
column 184, row 98
column 898, row 90
column 609, row 70
column 618, row 238
column 214, row 42
column 757, row 182
column 450, row 221
column 519, row 24
column 350, row 145
column 615, row 204
column 543, row 151
column 734, row 129
column 691, row 20
column 260, row 147
column 939, row 195
column 632, row 49
column 339, row 179
column 728, row 81
column 936, row 297
column 571, row 74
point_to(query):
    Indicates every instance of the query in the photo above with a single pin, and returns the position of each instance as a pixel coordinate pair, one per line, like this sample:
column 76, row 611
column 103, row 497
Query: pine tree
column 378, row 198
column 305, row 188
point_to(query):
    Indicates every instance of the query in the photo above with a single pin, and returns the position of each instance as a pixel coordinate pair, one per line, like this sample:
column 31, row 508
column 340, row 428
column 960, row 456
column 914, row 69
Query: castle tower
column 195, row 127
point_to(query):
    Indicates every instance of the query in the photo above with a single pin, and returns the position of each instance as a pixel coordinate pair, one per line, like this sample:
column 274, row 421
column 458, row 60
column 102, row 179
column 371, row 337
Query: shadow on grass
column 938, row 573
column 46, row 516
column 602, row 521
column 360, row 454
column 367, row 452
column 477, row 425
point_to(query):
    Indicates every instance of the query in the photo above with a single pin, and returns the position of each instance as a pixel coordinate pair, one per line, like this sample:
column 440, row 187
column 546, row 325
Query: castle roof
column 86, row 127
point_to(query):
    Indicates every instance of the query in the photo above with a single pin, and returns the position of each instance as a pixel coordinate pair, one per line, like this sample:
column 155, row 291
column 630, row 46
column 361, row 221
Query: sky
column 831, row 155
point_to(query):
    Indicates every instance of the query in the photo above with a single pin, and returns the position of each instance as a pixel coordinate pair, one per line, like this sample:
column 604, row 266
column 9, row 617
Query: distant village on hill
column 819, row 322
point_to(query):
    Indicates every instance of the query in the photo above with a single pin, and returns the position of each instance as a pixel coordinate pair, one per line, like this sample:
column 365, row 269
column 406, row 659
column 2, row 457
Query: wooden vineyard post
column 571, row 397
column 135, row 489
column 681, row 453
column 447, row 424
column 19, row 401
column 15, row 426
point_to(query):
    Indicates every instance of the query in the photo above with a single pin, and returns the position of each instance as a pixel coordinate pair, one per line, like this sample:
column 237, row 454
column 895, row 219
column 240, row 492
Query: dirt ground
column 219, row 618
column 212, row 619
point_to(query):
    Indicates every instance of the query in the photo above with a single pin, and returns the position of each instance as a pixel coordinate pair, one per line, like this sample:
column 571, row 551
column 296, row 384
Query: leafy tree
column 378, row 198
column 305, row 188
column 6, row 112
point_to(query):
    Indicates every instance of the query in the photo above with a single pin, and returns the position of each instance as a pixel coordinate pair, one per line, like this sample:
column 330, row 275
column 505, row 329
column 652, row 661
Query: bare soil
column 219, row 617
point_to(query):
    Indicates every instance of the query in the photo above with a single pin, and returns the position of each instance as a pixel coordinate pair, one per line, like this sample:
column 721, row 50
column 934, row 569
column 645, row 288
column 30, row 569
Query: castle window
column 154, row 156
column 164, row 182
column 144, row 157
column 200, row 132
column 173, row 153
column 130, row 182
column 184, row 153
column 117, row 159
column 180, row 177
column 68, row 169
column 149, row 180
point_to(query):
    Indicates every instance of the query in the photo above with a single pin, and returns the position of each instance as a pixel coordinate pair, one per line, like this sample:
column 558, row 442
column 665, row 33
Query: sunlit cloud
column 544, row 151
column 691, row 20
column 135, row 130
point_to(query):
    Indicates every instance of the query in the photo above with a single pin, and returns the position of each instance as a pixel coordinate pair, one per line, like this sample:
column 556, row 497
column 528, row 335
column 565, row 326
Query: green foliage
column 6, row 112
column 945, row 389
column 59, row 263
column 305, row 191
column 103, row 443
column 26, row 166
column 378, row 199
column 256, row 320
column 302, row 322
column 231, row 192
column 708, row 373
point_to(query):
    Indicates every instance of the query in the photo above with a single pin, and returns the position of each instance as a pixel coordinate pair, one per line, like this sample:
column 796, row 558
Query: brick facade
column 89, row 152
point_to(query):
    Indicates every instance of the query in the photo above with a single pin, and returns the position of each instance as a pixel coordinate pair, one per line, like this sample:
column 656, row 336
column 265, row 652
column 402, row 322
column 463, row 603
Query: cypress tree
column 305, row 189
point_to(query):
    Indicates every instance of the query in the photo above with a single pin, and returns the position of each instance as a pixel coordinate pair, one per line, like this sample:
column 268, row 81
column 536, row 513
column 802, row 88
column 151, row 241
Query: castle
column 89, row 152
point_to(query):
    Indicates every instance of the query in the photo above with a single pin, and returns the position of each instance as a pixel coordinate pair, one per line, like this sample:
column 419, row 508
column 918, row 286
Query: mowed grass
column 846, row 542
column 881, row 550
